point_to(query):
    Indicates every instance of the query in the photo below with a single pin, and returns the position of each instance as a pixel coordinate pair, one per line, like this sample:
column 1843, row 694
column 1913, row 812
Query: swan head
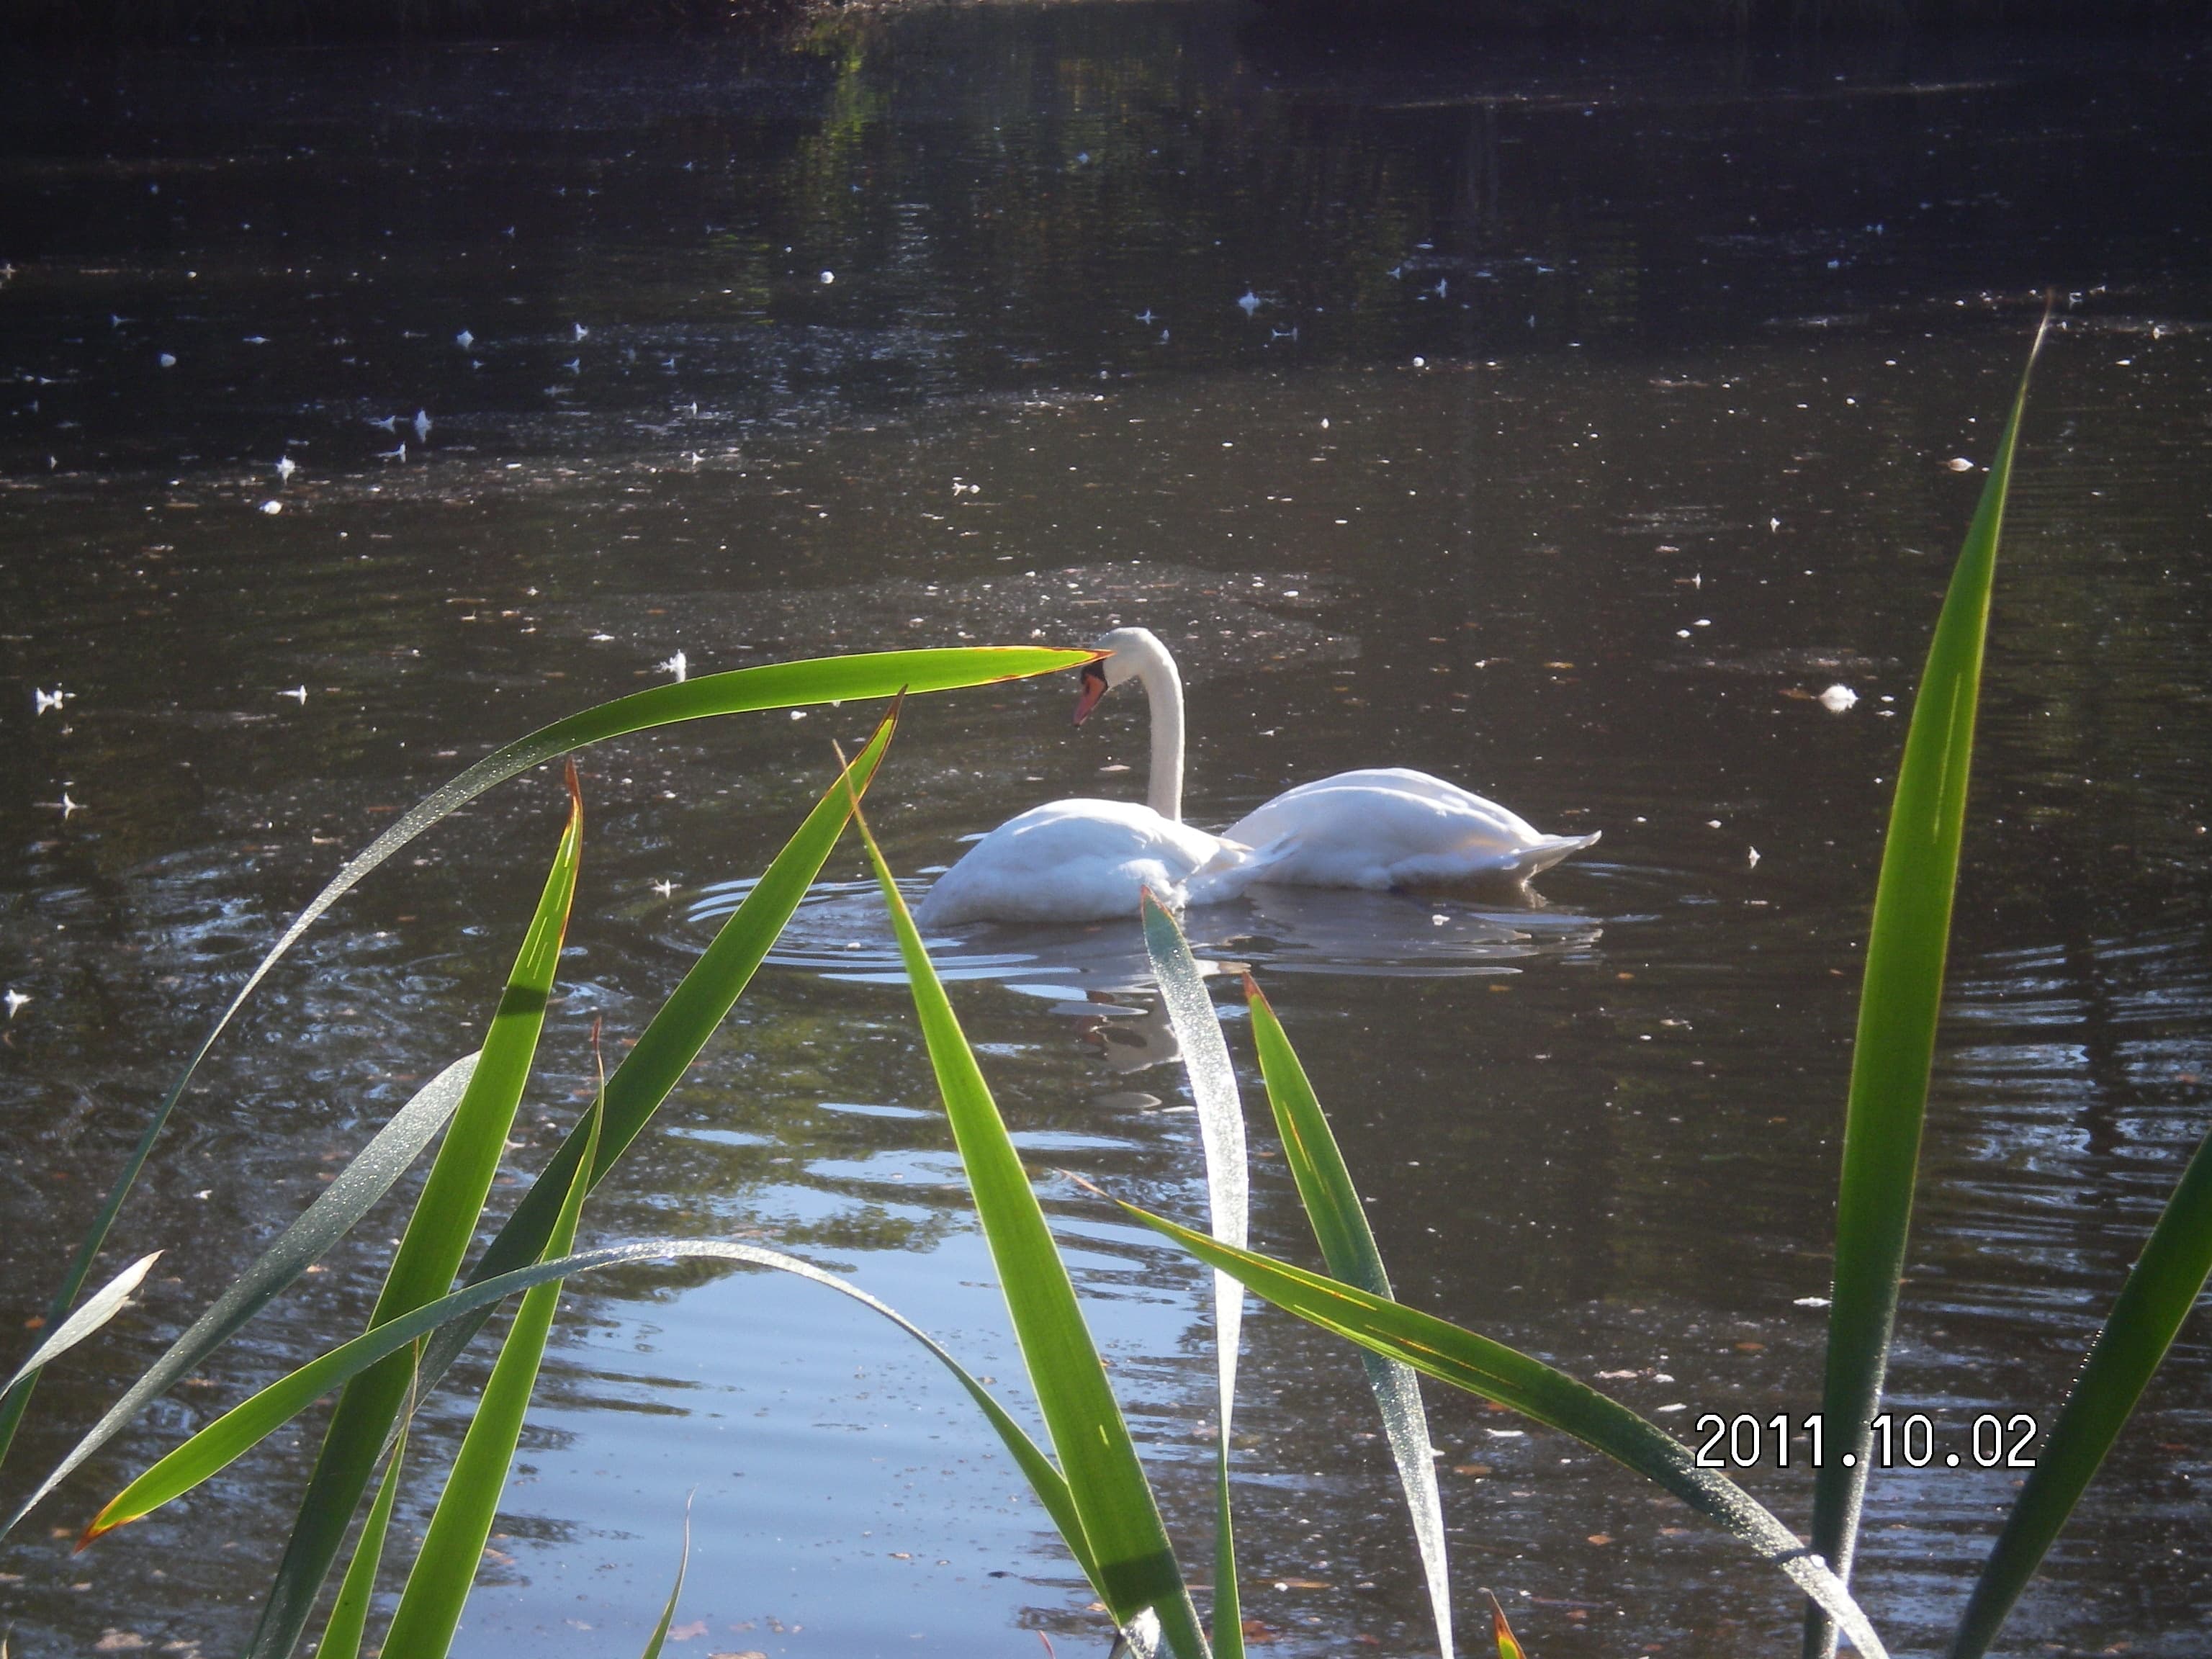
column 1129, row 651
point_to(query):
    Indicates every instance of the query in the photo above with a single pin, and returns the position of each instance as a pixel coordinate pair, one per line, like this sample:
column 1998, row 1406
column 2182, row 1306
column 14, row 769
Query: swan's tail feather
column 1236, row 868
column 1550, row 849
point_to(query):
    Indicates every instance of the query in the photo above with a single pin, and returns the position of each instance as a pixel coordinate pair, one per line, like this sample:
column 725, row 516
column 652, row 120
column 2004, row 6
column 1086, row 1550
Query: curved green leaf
column 1906, row 946
column 238, row 1431
column 668, row 1045
column 99, row 1308
column 2161, row 1288
column 1459, row 1357
column 445, row 1567
column 443, row 1222
column 660, row 1637
column 1130, row 1562
column 1347, row 1245
column 774, row 686
column 349, row 1620
column 388, row 1155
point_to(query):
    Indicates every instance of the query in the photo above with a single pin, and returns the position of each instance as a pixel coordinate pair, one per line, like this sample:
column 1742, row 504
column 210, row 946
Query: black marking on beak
column 1094, row 687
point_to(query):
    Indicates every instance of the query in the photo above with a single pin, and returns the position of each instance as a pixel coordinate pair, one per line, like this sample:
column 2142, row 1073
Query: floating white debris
column 272, row 506
column 1773, row 524
column 1750, row 858
column 1146, row 317
column 828, row 276
column 286, row 466
column 465, row 339
column 1959, row 464
column 665, row 889
column 167, row 359
column 298, row 693
column 399, row 455
column 799, row 714
column 46, row 701
column 421, row 426
column 677, row 665
column 16, row 1002
column 1838, row 698
column 581, row 332
column 1250, row 303
column 1808, row 1301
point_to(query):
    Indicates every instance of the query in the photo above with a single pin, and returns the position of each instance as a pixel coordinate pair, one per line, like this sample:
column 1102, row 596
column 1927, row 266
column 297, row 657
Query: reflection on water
column 841, row 932
column 1594, row 412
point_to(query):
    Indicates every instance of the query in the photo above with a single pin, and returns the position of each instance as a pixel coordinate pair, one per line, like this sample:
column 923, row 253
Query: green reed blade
column 99, row 1308
column 669, row 1043
column 1508, row 1646
column 446, row 1564
column 222, row 1442
column 1133, row 1565
column 675, row 1592
column 1229, row 1201
column 349, row 1620
column 1347, row 1245
column 389, row 1154
column 1901, row 997
column 437, row 1235
column 774, row 686
column 1459, row 1357
column 2160, row 1290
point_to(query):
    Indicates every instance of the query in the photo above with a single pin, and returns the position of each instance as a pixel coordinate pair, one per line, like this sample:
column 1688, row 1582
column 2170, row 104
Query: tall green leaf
column 1229, row 1201
column 2161, row 1288
column 1347, row 1245
column 775, row 685
column 439, row 1229
column 660, row 1637
column 1903, row 994
column 666, row 1048
column 349, row 1620
column 446, row 1565
column 1133, row 1566
column 1459, row 1357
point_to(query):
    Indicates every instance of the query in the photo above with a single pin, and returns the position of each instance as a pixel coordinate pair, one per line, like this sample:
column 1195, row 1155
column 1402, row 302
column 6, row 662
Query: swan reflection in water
column 1097, row 976
column 841, row 932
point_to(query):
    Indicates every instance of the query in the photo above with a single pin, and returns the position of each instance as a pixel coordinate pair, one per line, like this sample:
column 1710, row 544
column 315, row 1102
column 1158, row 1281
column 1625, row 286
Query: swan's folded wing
column 1236, row 868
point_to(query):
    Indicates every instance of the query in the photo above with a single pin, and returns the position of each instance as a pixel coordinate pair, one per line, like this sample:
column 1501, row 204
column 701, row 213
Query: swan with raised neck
column 1136, row 654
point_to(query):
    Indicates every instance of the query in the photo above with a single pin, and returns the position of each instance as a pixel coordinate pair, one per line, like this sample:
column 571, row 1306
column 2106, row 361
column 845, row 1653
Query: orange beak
column 1094, row 687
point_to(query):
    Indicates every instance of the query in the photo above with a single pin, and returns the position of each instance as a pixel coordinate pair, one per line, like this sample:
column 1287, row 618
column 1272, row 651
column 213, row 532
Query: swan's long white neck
column 1156, row 672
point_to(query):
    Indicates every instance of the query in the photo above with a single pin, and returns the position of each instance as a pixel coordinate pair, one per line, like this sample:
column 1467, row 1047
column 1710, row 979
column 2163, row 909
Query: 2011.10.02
column 1909, row 1441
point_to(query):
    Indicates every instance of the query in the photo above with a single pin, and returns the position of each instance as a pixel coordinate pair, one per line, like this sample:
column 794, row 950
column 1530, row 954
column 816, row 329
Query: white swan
column 1380, row 828
column 1088, row 861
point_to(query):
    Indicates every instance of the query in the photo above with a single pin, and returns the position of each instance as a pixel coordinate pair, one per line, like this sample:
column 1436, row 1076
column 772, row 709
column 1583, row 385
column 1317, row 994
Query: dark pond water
column 1563, row 424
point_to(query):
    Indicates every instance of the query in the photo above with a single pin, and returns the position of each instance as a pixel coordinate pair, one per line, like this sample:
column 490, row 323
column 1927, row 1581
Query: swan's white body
column 1381, row 828
column 1088, row 860
column 1070, row 860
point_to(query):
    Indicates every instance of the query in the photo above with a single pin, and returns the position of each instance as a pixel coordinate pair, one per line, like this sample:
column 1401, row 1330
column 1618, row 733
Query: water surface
column 1564, row 424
